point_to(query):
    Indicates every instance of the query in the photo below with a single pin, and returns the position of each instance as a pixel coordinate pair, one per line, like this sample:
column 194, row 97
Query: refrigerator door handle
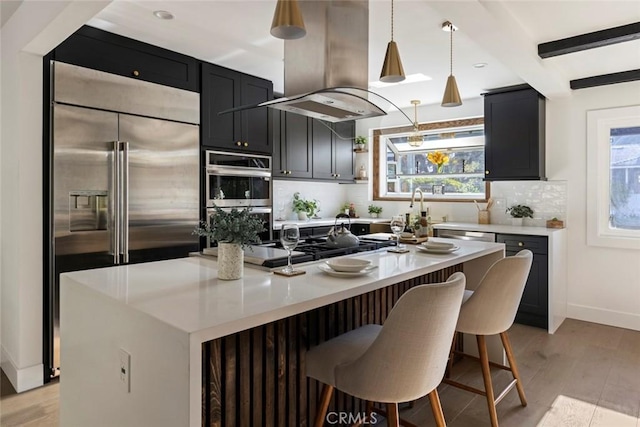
column 115, row 201
column 125, row 201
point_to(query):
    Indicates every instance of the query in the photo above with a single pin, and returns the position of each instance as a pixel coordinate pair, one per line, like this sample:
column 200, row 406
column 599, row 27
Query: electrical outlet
column 125, row 371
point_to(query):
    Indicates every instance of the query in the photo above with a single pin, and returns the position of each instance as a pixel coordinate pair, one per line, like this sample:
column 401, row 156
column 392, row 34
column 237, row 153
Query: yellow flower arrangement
column 439, row 159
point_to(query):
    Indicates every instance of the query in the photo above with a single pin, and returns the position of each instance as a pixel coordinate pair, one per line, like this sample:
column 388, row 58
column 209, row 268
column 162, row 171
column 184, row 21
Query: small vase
column 230, row 261
column 517, row 222
column 302, row 216
column 374, row 215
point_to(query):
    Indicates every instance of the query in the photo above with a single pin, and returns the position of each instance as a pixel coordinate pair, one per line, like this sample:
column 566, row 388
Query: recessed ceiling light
column 480, row 65
column 163, row 14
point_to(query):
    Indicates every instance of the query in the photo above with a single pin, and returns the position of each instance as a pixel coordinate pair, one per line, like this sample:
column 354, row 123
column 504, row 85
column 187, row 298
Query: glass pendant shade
column 415, row 139
column 451, row 96
column 287, row 21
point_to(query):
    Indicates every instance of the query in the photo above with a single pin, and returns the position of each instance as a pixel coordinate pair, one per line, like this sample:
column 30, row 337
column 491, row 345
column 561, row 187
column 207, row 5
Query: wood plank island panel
column 257, row 377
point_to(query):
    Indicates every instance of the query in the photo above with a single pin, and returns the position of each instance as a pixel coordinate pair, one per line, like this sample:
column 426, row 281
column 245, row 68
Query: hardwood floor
column 583, row 375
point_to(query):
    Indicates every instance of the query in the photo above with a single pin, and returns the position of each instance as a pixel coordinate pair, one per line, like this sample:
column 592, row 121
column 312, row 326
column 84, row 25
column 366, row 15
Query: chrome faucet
column 413, row 199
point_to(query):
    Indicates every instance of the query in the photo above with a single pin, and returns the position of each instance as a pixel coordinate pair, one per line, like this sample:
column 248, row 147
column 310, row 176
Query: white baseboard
column 606, row 317
column 21, row 379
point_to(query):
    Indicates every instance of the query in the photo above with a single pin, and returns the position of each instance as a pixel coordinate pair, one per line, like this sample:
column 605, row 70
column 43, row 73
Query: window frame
column 599, row 125
column 379, row 157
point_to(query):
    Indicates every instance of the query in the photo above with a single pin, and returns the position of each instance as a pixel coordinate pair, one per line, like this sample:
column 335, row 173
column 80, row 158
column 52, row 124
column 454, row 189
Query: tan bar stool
column 400, row 361
column 490, row 310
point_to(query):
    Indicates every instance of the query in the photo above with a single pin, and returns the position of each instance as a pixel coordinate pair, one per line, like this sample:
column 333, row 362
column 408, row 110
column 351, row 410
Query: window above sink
column 444, row 159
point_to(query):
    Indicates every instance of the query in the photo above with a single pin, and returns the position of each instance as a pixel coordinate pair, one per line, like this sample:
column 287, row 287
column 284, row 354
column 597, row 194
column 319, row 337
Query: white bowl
column 349, row 265
column 406, row 235
column 438, row 245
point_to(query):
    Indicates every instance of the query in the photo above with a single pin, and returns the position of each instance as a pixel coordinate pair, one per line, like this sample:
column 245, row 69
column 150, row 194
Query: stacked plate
column 347, row 267
column 437, row 247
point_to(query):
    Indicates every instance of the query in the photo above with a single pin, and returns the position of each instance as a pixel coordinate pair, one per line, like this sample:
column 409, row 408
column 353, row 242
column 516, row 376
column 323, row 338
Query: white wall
column 604, row 283
column 32, row 31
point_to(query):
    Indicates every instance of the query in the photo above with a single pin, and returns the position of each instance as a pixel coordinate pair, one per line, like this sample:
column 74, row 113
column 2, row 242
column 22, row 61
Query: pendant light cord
column 451, row 50
column 391, row 20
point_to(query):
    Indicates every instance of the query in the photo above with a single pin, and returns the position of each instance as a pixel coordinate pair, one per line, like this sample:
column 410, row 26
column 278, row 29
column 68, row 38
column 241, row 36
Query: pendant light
column 392, row 71
column 415, row 139
column 287, row 21
column 451, row 96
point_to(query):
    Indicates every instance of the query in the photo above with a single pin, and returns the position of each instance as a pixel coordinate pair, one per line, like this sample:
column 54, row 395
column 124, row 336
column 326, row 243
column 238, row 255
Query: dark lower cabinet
column 534, row 305
column 245, row 131
column 100, row 50
column 360, row 229
column 514, row 126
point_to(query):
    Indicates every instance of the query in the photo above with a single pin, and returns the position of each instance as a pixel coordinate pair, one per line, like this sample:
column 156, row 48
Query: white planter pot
column 230, row 261
column 302, row 216
column 374, row 215
column 517, row 221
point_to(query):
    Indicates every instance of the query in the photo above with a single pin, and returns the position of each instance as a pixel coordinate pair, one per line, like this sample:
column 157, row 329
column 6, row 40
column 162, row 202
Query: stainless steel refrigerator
column 125, row 176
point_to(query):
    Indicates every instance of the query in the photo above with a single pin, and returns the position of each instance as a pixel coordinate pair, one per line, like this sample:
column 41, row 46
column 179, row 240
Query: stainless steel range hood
column 326, row 72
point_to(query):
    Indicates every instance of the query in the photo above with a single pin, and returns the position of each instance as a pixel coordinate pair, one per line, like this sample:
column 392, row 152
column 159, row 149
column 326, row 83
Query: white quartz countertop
column 277, row 225
column 186, row 293
column 498, row 228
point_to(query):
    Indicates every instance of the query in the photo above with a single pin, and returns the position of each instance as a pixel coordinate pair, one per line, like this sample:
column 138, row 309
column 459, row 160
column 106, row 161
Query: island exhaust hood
column 326, row 72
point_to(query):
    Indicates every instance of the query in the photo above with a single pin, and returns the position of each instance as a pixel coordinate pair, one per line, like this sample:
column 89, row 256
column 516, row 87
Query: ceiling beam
column 592, row 40
column 605, row 79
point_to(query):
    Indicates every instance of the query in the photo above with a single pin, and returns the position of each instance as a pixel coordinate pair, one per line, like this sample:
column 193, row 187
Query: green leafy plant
column 375, row 209
column 520, row 211
column 233, row 226
column 360, row 140
column 304, row 205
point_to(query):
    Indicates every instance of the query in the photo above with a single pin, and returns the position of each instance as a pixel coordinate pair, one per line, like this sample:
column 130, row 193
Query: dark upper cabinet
column 292, row 154
column 332, row 155
column 514, row 125
column 534, row 305
column 100, row 50
column 247, row 131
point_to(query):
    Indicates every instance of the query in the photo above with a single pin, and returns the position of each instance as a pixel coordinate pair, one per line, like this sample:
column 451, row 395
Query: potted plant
column 375, row 211
column 305, row 208
column 232, row 230
column 518, row 213
column 361, row 143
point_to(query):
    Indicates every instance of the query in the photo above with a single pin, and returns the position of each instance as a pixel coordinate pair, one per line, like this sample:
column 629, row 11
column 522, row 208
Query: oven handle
column 216, row 170
column 254, row 209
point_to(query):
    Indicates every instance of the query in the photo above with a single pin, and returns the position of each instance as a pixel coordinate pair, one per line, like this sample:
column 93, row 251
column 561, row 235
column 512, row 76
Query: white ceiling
column 504, row 34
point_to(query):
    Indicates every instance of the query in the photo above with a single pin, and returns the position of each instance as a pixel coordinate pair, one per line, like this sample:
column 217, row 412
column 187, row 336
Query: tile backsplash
column 548, row 199
column 330, row 197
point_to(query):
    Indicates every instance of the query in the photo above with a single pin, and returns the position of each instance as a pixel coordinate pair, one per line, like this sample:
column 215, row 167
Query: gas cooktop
column 316, row 249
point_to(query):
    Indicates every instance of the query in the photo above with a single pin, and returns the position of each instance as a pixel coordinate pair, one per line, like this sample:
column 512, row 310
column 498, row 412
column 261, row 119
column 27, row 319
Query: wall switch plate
column 125, row 370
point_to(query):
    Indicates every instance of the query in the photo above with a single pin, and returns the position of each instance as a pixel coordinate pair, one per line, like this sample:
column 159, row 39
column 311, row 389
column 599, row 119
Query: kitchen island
column 167, row 344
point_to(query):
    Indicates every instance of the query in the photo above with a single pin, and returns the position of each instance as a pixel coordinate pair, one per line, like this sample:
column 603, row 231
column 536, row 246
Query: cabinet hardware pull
column 136, row 73
column 520, row 244
column 486, row 172
column 238, row 143
column 246, row 144
column 338, row 175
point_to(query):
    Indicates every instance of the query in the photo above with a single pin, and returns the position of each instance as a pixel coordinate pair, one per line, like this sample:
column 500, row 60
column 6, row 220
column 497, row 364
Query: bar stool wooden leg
column 486, row 376
column 325, row 399
column 436, row 408
column 393, row 419
column 514, row 369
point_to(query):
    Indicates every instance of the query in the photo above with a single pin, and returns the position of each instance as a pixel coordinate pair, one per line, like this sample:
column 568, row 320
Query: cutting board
column 413, row 240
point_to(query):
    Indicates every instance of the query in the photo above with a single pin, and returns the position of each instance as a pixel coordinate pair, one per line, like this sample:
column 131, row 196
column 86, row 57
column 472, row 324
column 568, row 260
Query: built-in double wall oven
column 237, row 180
